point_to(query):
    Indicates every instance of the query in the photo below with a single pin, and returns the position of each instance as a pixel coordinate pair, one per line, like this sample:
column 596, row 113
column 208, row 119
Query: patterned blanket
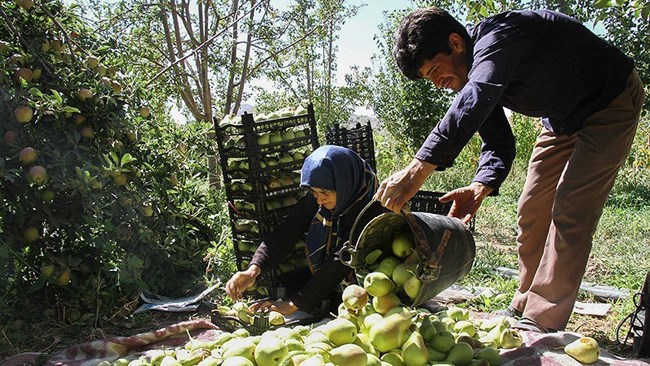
column 538, row 349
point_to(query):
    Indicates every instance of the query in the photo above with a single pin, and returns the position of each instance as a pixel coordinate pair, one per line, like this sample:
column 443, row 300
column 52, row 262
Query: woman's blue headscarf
column 342, row 170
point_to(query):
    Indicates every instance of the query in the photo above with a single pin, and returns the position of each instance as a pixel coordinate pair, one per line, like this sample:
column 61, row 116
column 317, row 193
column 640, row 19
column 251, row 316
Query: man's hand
column 283, row 307
column 397, row 189
column 241, row 281
column 467, row 200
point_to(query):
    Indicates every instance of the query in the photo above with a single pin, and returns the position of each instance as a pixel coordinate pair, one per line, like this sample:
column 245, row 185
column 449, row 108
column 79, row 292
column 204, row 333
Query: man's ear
column 456, row 43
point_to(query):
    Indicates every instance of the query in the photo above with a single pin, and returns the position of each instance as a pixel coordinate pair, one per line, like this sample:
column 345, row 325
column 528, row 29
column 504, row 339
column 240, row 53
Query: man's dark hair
column 423, row 34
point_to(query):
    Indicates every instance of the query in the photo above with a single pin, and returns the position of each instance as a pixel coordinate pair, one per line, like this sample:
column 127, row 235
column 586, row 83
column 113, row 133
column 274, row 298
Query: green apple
column 299, row 134
column 355, row 297
column 465, row 326
column 276, row 318
column 37, row 175
column 101, row 70
column 275, row 137
column 24, row 114
column 402, row 245
column 300, row 110
column 340, row 331
column 435, row 355
column 442, row 341
column 460, row 354
column 412, row 287
column 47, row 270
column 372, row 257
column 315, row 360
column 239, row 347
column 393, row 358
column 390, row 332
column 24, row 74
column 583, row 349
column 383, row 304
column 457, row 313
column 285, row 159
column 414, row 350
column 30, row 234
column 403, row 272
column 84, row 94
column 491, row 355
column 286, row 181
column 510, row 338
column 145, row 111
column 288, row 135
column 92, row 61
column 236, row 361
column 263, row 139
column 387, row 266
column 348, row 355
column 27, row 155
column 169, row 361
column 87, row 132
column 270, row 352
column 378, row 284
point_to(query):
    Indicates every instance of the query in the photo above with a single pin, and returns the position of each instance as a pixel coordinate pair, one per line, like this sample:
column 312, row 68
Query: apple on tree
column 27, row 155
column 37, row 175
column 24, row 114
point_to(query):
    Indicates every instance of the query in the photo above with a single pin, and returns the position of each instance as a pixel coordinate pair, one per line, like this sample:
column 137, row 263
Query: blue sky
column 356, row 44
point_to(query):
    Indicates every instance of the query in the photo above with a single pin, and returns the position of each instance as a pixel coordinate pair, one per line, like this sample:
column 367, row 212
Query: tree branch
column 199, row 47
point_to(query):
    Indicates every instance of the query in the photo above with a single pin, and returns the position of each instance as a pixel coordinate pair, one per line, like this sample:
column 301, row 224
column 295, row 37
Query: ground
column 50, row 337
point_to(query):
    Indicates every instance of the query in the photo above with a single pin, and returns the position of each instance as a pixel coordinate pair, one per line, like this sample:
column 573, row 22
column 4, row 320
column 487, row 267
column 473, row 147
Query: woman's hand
column 282, row 307
column 467, row 200
column 241, row 281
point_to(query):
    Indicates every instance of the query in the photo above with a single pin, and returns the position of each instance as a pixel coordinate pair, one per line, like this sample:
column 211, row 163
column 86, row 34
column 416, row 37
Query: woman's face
column 325, row 197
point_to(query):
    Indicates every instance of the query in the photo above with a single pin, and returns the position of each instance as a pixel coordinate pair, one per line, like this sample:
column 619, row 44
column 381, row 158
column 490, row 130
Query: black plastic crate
column 427, row 201
column 358, row 139
column 260, row 162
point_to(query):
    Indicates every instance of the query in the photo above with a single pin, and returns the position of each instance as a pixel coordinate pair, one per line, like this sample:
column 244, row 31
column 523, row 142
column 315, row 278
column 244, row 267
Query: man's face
column 447, row 71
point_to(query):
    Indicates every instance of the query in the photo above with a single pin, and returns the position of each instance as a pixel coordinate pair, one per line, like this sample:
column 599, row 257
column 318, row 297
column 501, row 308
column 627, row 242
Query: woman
column 341, row 184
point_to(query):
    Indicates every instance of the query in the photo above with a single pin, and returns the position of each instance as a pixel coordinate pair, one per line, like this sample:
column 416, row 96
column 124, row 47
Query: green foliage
column 125, row 205
column 408, row 109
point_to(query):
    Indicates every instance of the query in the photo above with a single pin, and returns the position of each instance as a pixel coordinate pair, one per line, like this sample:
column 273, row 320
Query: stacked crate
column 261, row 157
column 358, row 139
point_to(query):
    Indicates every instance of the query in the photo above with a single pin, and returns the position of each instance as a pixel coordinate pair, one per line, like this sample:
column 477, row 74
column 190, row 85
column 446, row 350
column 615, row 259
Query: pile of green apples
column 280, row 113
column 266, row 138
column 371, row 328
column 358, row 336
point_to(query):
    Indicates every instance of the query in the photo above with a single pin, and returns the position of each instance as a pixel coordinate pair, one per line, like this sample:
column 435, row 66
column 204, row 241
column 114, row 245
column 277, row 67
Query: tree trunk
column 233, row 61
column 249, row 42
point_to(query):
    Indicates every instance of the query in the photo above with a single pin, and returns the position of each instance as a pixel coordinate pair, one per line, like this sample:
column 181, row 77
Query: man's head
column 432, row 44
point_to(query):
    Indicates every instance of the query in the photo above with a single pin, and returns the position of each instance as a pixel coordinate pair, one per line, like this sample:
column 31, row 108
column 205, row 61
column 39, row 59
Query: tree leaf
column 126, row 159
column 601, row 4
column 70, row 109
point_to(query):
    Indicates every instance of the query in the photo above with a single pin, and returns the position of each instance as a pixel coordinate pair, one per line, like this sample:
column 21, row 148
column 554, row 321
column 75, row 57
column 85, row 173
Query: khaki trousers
column 568, row 181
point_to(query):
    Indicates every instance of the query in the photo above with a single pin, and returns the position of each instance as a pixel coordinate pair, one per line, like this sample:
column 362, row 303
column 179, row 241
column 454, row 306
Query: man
column 541, row 64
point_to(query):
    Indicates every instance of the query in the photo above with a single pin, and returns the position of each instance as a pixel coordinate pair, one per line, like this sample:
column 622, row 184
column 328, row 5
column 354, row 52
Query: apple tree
column 100, row 196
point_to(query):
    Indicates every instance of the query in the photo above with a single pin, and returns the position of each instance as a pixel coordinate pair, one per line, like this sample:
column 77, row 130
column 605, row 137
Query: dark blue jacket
column 537, row 63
